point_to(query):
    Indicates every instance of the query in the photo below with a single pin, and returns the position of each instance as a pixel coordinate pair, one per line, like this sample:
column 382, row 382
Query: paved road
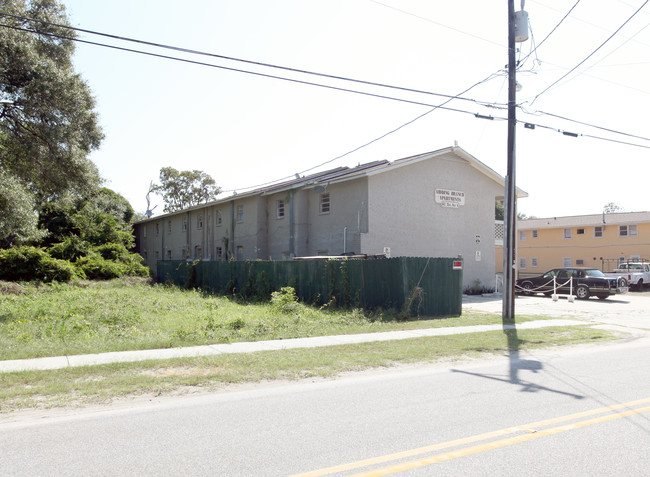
column 510, row 416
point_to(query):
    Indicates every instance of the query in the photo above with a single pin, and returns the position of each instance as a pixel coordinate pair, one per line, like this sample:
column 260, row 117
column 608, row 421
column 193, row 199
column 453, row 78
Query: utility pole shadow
column 517, row 364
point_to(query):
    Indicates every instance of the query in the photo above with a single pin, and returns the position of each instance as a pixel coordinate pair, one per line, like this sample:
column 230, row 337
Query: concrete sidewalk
column 58, row 362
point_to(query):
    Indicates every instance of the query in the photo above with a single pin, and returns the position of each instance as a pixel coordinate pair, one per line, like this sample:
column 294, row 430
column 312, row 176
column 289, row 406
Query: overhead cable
column 214, row 55
column 592, row 53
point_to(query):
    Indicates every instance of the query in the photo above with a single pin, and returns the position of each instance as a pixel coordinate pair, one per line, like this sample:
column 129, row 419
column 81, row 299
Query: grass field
column 90, row 317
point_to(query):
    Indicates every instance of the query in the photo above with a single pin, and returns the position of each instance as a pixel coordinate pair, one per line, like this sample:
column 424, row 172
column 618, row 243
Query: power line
column 374, row 140
column 592, row 53
column 255, row 73
column 614, row 131
column 551, row 32
column 212, row 55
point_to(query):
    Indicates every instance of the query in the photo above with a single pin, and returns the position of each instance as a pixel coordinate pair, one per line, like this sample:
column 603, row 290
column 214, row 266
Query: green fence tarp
column 428, row 286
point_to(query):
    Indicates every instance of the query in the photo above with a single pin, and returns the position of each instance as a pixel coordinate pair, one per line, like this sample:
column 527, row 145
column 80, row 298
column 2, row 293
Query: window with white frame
column 522, row 235
column 534, row 233
column 627, row 231
column 598, row 231
column 522, row 263
column 325, row 203
column 279, row 209
column 219, row 217
column 567, row 235
column 144, row 231
column 567, row 262
column 240, row 213
column 533, row 262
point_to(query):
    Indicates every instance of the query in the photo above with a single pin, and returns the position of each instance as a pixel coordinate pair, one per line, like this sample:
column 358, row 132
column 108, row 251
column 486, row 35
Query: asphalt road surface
column 580, row 411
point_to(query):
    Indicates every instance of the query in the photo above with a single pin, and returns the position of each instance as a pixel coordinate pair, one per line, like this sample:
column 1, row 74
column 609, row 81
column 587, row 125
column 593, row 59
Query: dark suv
column 581, row 282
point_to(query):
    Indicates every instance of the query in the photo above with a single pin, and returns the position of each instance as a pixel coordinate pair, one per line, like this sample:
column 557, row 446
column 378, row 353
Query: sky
column 588, row 69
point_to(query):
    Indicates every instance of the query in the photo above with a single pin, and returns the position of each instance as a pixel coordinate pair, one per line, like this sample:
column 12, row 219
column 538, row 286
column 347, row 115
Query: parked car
column 581, row 282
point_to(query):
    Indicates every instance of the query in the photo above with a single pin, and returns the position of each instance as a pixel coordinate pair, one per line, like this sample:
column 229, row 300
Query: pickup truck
column 637, row 274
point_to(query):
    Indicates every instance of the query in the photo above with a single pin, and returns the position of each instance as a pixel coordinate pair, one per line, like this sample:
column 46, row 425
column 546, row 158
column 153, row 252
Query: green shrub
column 31, row 263
column 99, row 268
column 71, row 249
column 285, row 300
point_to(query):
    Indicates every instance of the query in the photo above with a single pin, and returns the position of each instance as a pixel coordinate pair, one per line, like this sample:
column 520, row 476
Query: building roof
column 616, row 218
column 341, row 174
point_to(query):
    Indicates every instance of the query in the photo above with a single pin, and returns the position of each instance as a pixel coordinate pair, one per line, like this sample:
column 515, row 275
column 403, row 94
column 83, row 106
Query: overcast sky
column 246, row 130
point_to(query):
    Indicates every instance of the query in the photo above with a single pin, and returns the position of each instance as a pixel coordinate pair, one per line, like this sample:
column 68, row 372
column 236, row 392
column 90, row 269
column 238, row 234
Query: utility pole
column 517, row 32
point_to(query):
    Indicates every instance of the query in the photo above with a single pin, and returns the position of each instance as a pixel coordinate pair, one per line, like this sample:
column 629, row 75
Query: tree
column 612, row 207
column 183, row 189
column 49, row 126
column 18, row 218
column 499, row 210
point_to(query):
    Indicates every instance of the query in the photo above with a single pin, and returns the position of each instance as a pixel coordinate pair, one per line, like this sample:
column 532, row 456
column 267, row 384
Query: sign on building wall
column 450, row 198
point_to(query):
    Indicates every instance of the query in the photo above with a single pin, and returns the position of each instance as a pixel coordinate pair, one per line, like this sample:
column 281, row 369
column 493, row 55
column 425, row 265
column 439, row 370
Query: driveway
column 628, row 310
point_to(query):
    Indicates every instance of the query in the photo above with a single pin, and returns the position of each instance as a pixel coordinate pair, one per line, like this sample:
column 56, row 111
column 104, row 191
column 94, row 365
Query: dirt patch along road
column 627, row 310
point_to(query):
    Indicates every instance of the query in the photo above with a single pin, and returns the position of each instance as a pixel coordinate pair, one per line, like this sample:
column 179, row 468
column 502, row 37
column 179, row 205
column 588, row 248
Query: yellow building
column 599, row 241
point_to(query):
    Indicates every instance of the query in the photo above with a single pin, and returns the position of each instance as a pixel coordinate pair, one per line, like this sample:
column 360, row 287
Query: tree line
column 57, row 221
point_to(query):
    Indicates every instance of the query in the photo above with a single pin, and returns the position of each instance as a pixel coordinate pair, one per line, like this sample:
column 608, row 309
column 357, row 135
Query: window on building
column 280, row 209
column 522, row 235
column 169, row 254
column 184, row 254
column 144, row 231
column 522, row 263
column 621, row 259
column 567, row 235
column 240, row 252
column 598, row 231
column 635, row 258
column 145, row 254
column 219, row 217
column 198, row 253
column 533, row 263
column 169, row 226
column 240, row 213
column 580, row 262
column 157, row 255
column 325, row 203
column 567, row 262
column 627, row 230
column 184, row 225
column 534, row 233
column 199, row 222
column 219, row 253
column 580, row 231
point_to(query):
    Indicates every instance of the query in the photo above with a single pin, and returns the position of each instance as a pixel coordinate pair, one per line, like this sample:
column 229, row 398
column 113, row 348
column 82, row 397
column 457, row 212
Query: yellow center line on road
column 489, row 435
column 496, row 444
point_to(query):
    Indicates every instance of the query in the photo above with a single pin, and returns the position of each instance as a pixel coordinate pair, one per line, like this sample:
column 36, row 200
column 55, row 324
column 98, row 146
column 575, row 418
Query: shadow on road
column 518, row 364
